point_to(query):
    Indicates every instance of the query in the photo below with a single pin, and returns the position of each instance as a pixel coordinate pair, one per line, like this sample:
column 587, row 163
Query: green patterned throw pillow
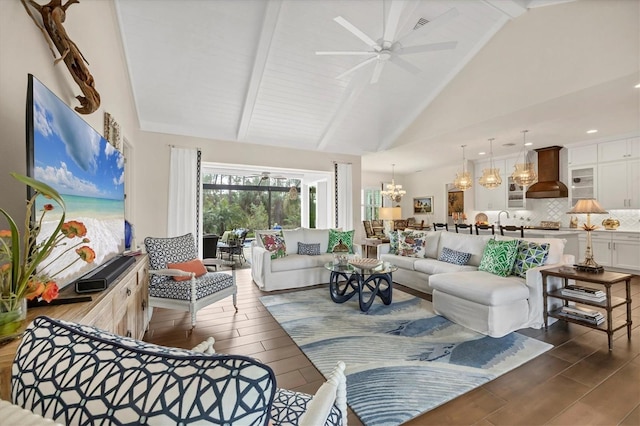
column 530, row 255
column 498, row 257
column 336, row 236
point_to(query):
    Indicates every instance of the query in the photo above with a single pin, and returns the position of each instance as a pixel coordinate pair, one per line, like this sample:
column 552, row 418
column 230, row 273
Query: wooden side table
column 606, row 279
column 372, row 242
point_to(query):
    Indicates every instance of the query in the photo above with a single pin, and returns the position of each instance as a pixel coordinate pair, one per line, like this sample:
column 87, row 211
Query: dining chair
column 464, row 226
column 483, row 228
column 437, row 226
column 512, row 228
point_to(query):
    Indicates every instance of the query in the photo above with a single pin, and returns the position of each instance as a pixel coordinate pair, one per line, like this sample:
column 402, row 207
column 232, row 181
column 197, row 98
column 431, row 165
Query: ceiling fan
column 265, row 176
column 387, row 49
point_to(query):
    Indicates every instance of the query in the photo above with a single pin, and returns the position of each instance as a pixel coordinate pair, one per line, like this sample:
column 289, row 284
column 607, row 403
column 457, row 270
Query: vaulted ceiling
column 429, row 75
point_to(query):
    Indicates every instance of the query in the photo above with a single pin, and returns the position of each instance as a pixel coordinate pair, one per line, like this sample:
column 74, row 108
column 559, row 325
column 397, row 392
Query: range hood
column 548, row 185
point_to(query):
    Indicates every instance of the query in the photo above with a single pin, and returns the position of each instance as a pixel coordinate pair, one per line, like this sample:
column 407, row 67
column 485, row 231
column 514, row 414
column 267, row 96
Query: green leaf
column 41, row 187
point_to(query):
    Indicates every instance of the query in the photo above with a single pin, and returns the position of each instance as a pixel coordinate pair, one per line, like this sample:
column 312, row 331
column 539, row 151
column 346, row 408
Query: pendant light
column 393, row 191
column 490, row 178
column 463, row 180
column 524, row 173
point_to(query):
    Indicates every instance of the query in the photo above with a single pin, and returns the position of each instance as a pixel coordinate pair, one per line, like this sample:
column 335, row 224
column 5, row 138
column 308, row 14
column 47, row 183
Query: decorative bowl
column 611, row 223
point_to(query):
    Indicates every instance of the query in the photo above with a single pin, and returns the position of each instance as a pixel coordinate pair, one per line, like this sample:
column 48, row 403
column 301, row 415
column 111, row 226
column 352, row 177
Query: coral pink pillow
column 194, row 265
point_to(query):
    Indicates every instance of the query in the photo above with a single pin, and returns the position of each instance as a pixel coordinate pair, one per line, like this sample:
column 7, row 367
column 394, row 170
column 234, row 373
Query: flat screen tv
column 69, row 155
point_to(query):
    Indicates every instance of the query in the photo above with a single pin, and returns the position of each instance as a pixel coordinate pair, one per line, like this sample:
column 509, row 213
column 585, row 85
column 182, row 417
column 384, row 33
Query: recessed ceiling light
column 482, row 153
column 528, row 144
column 592, row 131
column 637, row 86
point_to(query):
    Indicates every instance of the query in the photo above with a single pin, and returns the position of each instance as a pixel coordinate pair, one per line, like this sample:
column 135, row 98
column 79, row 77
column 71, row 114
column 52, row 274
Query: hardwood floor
column 578, row 382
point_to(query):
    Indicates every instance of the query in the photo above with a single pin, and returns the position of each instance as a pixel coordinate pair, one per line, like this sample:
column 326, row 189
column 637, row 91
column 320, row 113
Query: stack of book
column 586, row 293
column 582, row 314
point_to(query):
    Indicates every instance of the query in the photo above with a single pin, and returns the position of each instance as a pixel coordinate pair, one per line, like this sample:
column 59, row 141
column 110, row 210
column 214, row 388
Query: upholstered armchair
column 179, row 280
column 81, row 375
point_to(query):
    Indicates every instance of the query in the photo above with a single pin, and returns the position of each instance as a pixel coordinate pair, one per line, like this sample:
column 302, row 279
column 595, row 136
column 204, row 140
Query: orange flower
column 86, row 253
column 48, row 207
column 4, row 268
column 34, row 289
column 50, row 292
column 73, row 229
column 5, row 233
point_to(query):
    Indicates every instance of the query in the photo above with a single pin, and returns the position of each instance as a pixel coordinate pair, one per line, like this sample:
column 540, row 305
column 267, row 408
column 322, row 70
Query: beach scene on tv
column 87, row 171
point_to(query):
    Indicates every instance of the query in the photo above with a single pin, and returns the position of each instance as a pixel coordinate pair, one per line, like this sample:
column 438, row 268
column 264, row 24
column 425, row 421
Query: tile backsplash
column 555, row 210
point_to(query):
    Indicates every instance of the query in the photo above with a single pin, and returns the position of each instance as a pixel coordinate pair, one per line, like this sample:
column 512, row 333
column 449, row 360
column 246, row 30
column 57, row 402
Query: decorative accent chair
column 77, row 374
column 464, row 226
column 378, row 227
column 191, row 294
column 437, row 226
column 483, row 228
column 512, row 228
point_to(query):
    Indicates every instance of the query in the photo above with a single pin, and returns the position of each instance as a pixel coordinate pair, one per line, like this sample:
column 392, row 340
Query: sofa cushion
column 292, row 237
column 336, row 236
column 300, row 261
column 481, row 287
column 499, row 256
column 433, row 266
column 317, row 236
column 260, row 232
column 312, row 249
column 556, row 247
column 473, row 244
column 274, row 244
column 411, row 243
column 431, row 245
column 399, row 261
column 454, row 256
column 530, row 255
column 393, row 241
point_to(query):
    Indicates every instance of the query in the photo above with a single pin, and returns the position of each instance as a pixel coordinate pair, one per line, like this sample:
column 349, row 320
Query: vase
column 13, row 315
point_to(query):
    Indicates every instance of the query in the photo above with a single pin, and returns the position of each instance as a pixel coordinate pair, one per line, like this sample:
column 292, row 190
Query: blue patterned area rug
column 402, row 359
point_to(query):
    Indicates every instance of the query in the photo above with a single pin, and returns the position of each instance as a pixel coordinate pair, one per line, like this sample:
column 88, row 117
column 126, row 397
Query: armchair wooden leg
column 235, row 305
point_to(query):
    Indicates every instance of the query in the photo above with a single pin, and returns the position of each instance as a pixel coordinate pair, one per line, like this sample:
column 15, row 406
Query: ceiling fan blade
column 357, row 67
column 431, row 25
column 391, row 24
column 345, row 53
column 424, row 48
column 407, row 66
column 376, row 72
column 355, row 31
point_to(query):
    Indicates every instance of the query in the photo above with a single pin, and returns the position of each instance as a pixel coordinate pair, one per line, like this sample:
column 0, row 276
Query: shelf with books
column 615, row 301
column 617, row 323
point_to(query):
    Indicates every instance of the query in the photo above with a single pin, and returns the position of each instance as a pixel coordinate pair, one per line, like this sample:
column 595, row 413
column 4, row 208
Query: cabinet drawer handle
column 129, row 333
column 144, row 305
column 609, row 246
column 128, row 292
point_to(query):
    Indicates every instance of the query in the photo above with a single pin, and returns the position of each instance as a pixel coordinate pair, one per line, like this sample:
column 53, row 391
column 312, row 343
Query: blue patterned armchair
column 192, row 294
column 81, row 375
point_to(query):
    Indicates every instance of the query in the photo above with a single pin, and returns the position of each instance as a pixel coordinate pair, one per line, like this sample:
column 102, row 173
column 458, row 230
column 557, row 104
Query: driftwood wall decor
column 53, row 15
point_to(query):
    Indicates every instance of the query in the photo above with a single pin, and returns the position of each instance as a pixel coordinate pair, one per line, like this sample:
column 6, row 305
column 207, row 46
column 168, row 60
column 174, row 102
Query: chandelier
column 525, row 173
column 462, row 180
column 490, row 178
column 393, row 191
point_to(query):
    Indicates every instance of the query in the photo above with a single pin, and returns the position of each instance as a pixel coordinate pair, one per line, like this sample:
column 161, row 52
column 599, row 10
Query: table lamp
column 388, row 214
column 588, row 206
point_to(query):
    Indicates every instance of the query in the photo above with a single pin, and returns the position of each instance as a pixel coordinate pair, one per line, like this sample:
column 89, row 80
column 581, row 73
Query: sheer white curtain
column 344, row 196
column 184, row 193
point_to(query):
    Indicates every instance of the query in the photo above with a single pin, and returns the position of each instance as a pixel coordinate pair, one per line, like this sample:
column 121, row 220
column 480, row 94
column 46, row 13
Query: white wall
column 92, row 25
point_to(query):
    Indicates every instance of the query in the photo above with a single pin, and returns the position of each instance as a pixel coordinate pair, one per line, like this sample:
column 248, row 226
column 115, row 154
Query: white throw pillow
column 314, row 236
column 291, row 238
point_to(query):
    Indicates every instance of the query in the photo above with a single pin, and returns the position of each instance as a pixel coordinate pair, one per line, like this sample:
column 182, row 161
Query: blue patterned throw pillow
column 309, row 249
column 393, row 242
column 453, row 256
column 530, row 255
column 498, row 257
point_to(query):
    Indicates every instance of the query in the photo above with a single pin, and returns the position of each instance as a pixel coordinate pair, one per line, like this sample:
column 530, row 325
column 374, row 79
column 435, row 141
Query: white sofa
column 294, row 270
column 479, row 300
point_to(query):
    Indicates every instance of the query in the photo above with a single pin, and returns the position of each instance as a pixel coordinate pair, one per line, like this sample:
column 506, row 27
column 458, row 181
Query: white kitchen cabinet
column 618, row 186
column 623, row 149
column 616, row 250
column 582, row 182
column 490, row 199
column 582, row 155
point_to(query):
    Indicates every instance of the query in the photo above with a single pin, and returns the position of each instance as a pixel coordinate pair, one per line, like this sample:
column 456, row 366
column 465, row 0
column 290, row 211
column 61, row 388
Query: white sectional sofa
column 479, row 300
column 293, row 270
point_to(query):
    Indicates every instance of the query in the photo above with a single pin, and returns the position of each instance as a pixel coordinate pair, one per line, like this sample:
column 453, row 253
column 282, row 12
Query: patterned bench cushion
column 207, row 284
column 78, row 374
column 288, row 406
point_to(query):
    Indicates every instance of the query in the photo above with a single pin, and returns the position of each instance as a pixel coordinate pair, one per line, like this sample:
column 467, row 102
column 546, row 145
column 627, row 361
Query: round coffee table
column 347, row 280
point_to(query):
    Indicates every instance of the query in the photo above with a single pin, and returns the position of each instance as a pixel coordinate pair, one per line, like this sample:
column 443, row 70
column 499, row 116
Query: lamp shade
column 589, row 205
column 390, row 213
